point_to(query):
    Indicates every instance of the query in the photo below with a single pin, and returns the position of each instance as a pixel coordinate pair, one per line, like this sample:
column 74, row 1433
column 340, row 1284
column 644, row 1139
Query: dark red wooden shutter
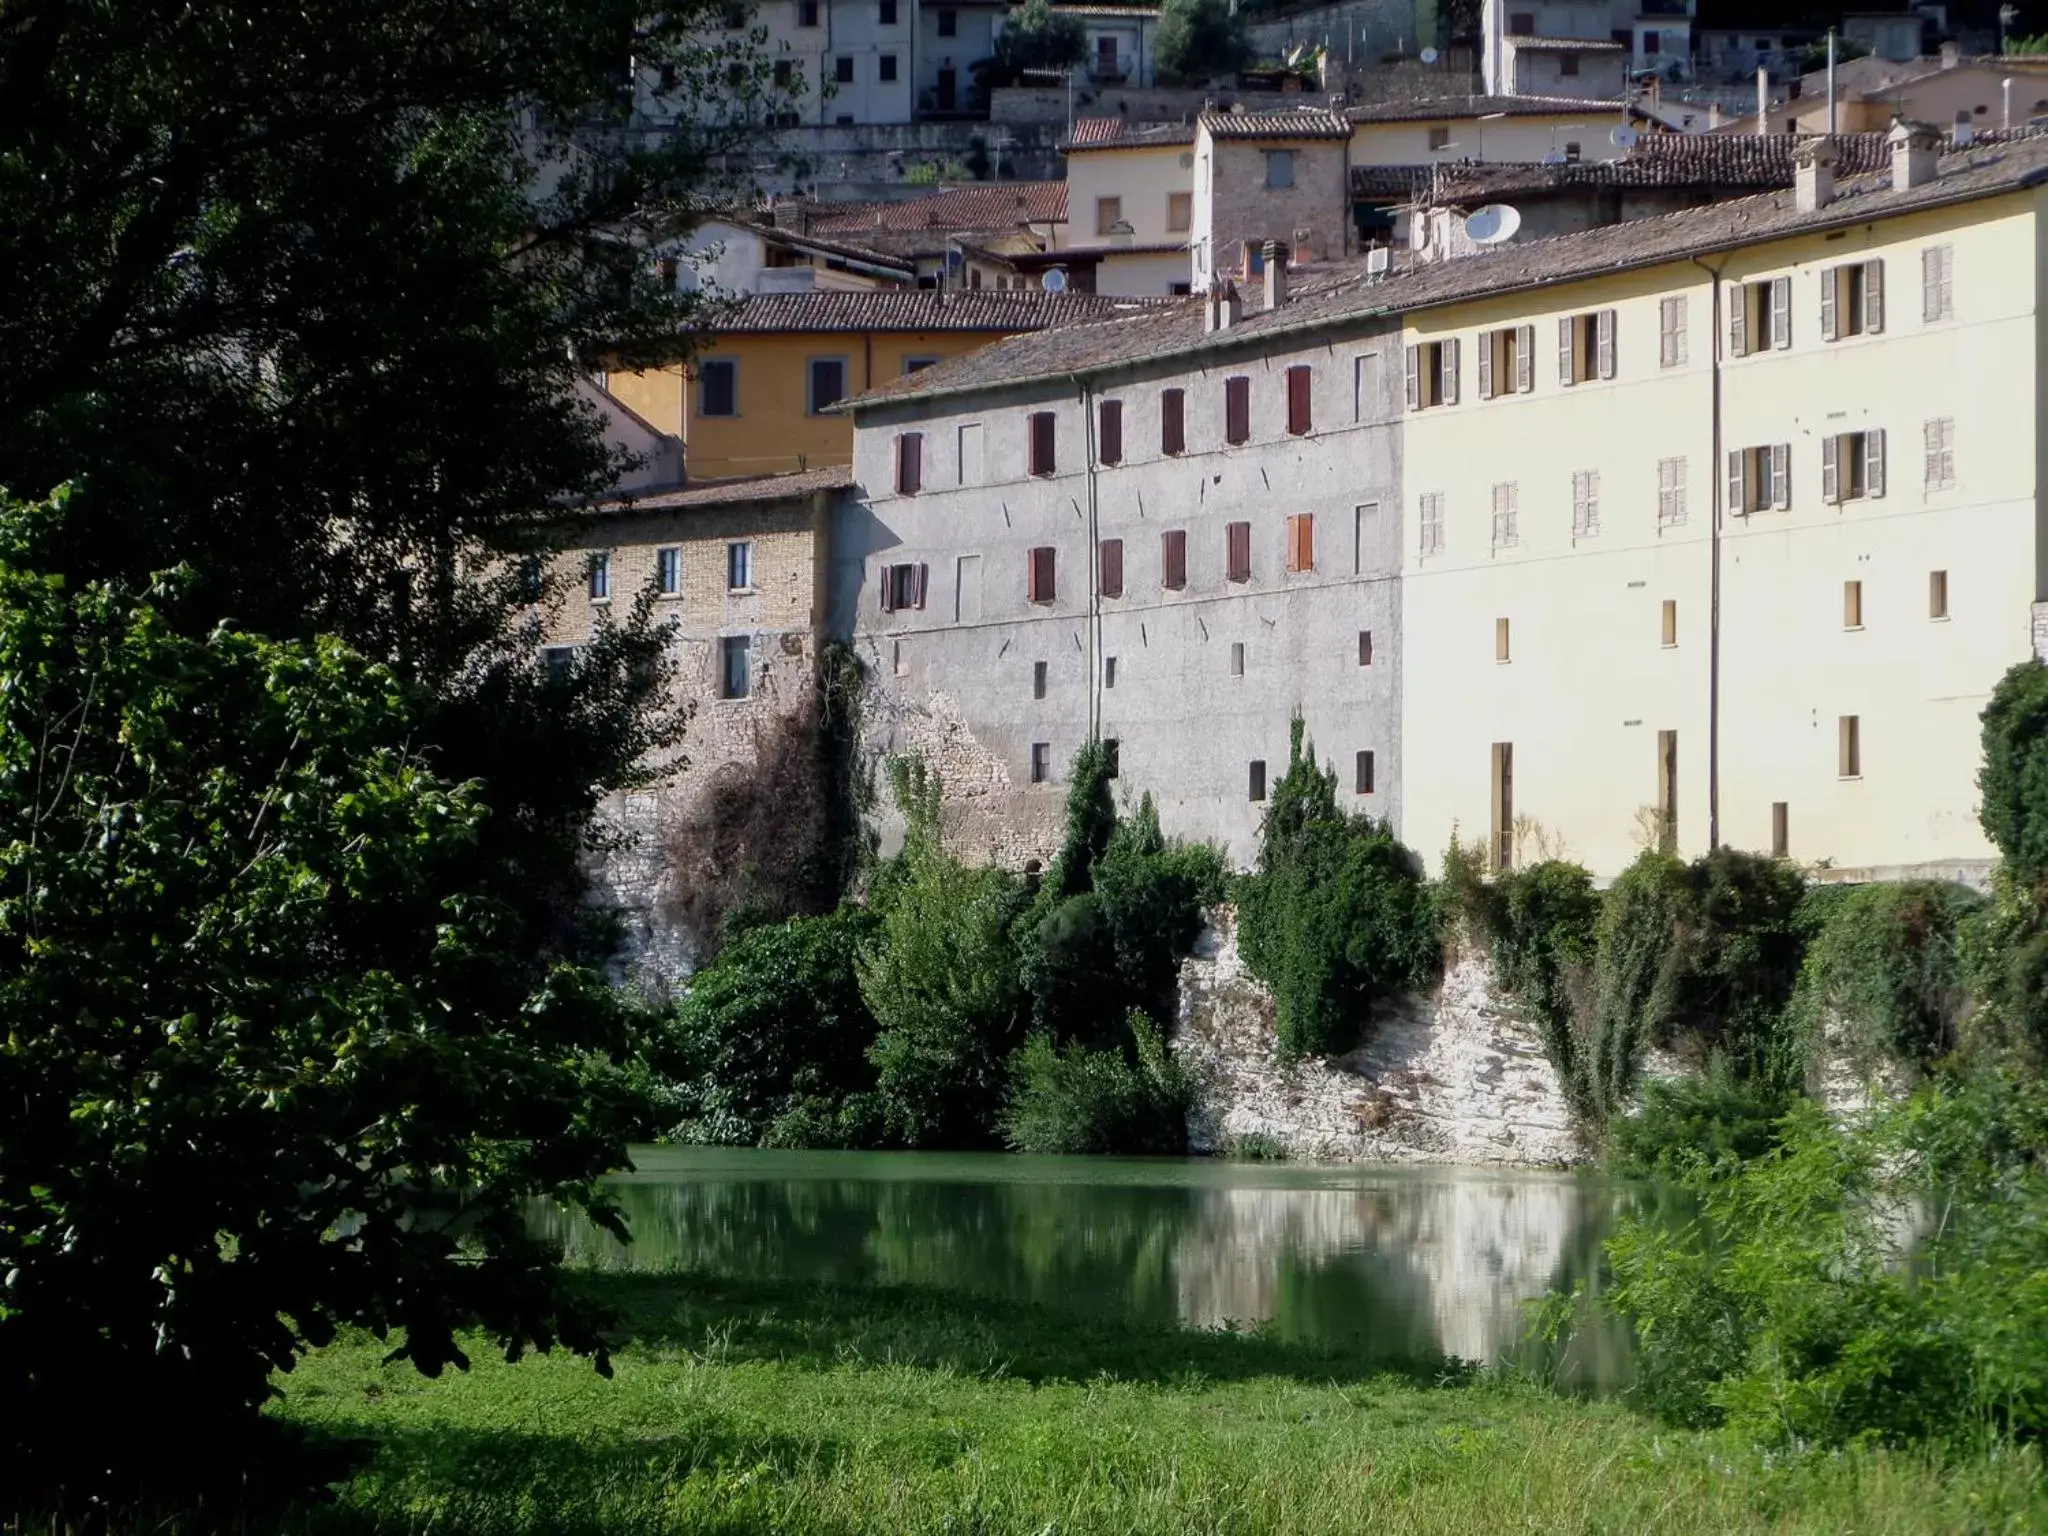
column 1110, row 559
column 909, row 463
column 1237, row 410
column 1041, row 577
column 1041, row 443
column 1173, row 431
column 1297, row 400
column 1110, row 438
column 1240, row 542
column 1173, row 557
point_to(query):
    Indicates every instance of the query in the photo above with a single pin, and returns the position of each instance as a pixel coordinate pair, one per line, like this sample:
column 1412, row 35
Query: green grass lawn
column 814, row 1410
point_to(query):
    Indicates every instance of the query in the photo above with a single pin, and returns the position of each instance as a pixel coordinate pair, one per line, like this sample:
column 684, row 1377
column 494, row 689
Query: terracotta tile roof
column 1121, row 133
column 1388, row 180
column 919, row 309
column 1287, row 123
column 1437, row 109
column 846, row 250
column 1110, row 12
column 1347, row 295
column 996, row 206
column 1564, row 44
column 726, row 493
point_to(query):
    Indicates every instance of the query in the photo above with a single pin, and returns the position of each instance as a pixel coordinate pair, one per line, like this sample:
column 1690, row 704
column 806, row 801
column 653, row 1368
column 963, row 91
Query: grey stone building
column 1263, row 176
column 1171, row 531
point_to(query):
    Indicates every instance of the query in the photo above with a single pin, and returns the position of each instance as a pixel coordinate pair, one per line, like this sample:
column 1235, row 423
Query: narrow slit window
column 1237, row 658
column 1038, row 673
column 1041, row 762
column 1849, row 747
column 1365, row 647
column 1363, row 778
column 1937, row 594
column 1670, row 622
column 1852, row 605
column 1258, row 779
column 1501, row 650
column 1781, row 830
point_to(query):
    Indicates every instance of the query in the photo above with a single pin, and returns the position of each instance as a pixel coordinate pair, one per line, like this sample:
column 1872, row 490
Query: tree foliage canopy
column 1199, row 40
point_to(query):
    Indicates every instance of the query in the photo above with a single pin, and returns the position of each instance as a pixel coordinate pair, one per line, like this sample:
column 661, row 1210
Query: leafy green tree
column 1071, row 1101
column 264, row 1074
column 1199, row 40
column 1035, row 36
column 2013, row 780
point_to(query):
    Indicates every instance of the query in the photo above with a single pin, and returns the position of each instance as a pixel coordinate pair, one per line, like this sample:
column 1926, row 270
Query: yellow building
column 757, row 400
column 1722, row 526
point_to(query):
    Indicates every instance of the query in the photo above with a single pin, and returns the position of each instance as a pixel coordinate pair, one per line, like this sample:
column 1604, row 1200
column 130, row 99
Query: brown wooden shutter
column 1109, row 436
column 1173, row 430
column 1173, row 559
column 1238, row 537
column 909, row 463
column 887, row 590
column 1041, row 443
column 1301, row 542
column 923, row 573
column 1110, row 565
column 1237, row 409
column 1039, row 587
column 1297, row 400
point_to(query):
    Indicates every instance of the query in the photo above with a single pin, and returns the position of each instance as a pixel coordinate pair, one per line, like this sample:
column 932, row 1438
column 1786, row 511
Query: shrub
column 1073, row 1099
column 2013, row 781
column 1686, row 1121
column 1544, row 922
column 1337, row 915
column 1199, row 40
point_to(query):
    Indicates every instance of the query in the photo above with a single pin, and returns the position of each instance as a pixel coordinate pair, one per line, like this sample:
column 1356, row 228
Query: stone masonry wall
column 1453, row 1077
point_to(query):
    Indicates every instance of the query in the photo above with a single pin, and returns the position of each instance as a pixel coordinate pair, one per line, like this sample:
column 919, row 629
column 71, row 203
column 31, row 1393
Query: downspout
column 1718, row 483
column 1094, row 557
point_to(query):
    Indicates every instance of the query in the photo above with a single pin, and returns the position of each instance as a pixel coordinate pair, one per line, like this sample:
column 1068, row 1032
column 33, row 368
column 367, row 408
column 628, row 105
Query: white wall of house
column 1142, row 182
column 1517, row 138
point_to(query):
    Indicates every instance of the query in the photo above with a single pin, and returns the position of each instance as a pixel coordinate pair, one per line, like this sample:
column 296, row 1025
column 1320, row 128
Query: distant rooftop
column 1437, row 109
column 1286, row 123
column 997, row 311
column 725, row 493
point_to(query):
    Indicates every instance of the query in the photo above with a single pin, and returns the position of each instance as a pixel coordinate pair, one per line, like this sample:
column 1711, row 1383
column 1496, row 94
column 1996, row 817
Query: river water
column 1400, row 1265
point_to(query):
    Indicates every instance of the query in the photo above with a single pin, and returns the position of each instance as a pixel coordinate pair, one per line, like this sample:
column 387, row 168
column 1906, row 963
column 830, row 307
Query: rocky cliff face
column 1451, row 1077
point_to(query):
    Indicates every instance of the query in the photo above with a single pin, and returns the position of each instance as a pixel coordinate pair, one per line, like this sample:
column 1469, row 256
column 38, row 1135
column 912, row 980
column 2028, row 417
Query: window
column 1108, row 211
column 1852, row 300
column 1852, row 605
column 1759, row 316
column 1279, row 168
column 1572, row 152
column 1237, row 658
column 902, row 586
column 1440, row 136
column 949, row 23
column 557, row 662
column 1038, row 577
column 807, row 13
column 1365, row 377
column 1362, row 782
column 1760, row 479
column 1938, row 283
column 1112, row 757
column 1038, row 672
column 842, row 70
column 1849, row 747
column 600, row 578
column 718, row 387
column 909, row 463
column 1503, row 798
column 1180, row 212
column 668, row 571
column 1299, row 420
column 1667, row 790
column 1671, row 332
column 888, row 66
column 1237, row 409
column 1237, row 539
column 1506, row 515
column 1258, row 779
column 1109, row 671
column 1041, row 762
column 739, row 566
column 1507, row 361
column 1671, row 493
column 828, row 382
column 1851, row 467
column 785, row 74
column 887, row 18
column 1431, row 520
column 735, row 675
column 1109, row 566
column 1109, row 431
column 1105, row 54
column 1301, row 541
column 1568, row 64
column 1585, row 347
column 1365, row 523
column 1781, row 830
column 1173, row 559
column 971, row 456
column 1940, row 438
column 1041, row 445
column 1937, row 594
column 735, row 17
column 1173, row 434
column 1433, row 374
column 1670, row 626
column 1585, row 503
column 1365, row 647
column 1522, row 24
column 1501, row 649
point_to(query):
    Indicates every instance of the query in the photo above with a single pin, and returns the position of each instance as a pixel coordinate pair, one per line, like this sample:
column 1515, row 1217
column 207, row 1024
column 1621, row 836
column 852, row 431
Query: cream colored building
column 1130, row 204
column 1525, row 129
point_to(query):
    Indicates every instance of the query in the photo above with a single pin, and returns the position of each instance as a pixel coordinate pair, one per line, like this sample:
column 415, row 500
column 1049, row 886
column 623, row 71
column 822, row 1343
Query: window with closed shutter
column 1039, row 577
column 1109, row 432
column 1939, row 438
column 1173, row 559
column 1173, row 432
column 1301, row 542
column 1430, row 520
column 1237, row 409
column 1237, row 538
column 1298, row 422
column 1937, row 283
column 1506, row 515
column 1670, row 493
column 1041, row 443
column 1671, row 332
column 909, row 463
column 1109, row 562
column 1585, row 503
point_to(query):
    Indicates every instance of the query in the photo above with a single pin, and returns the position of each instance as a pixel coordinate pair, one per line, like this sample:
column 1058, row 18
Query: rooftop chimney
column 1219, row 313
column 1916, row 147
column 1276, row 273
column 1813, row 175
column 790, row 214
column 1951, row 55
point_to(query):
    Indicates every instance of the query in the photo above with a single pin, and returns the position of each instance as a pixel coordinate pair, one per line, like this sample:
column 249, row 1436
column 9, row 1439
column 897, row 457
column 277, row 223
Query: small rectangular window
column 1852, row 605
column 1849, row 747
column 1501, row 651
column 1109, row 431
column 1760, row 316
column 1109, row 671
column 1180, row 212
column 668, row 571
column 842, row 70
column 1365, row 377
column 1298, row 418
column 1041, row 445
column 1173, row 559
column 600, row 578
column 1937, row 594
column 1781, row 830
column 1237, row 539
column 828, row 383
column 1301, row 541
column 1585, row 503
column 949, row 23
column 1852, row 466
column 918, row 364
column 1937, row 283
column 1258, row 779
column 739, row 566
column 1109, row 566
column 1038, row 671
column 888, row 66
column 909, row 463
column 1440, row 136
column 1671, row 332
column 887, row 8
column 718, row 387
column 1939, row 439
column 1852, row 300
column 557, row 662
column 735, row 675
column 1039, row 575
column 1507, row 361
column 1109, row 212
column 1279, row 168
column 1502, row 842
column 1430, row 520
column 1237, row 409
column 1173, row 436
column 1041, row 762
column 902, row 587
column 1669, row 630
column 1237, row 658
column 1363, row 777
column 807, row 13
column 1365, row 647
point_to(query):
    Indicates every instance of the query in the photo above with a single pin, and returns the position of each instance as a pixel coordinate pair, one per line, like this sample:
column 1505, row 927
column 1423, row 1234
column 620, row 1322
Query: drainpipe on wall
column 1718, row 482
column 1088, row 445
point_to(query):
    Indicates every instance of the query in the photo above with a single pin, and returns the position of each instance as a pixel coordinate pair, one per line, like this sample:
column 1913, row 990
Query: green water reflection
column 1401, row 1265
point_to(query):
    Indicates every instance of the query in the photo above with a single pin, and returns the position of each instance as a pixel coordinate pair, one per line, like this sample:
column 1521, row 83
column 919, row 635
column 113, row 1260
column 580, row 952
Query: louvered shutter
column 909, row 463
column 1041, row 582
column 1486, row 341
column 1831, row 470
column 1781, row 312
column 1305, row 542
column 1566, row 372
column 888, row 589
column 1173, row 558
column 1041, row 442
column 1110, row 562
column 1238, row 550
column 1873, row 463
column 1414, row 361
column 1109, row 444
column 1828, row 281
column 1738, row 481
column 1525, row 359
column 1738, row 320
column 1781, row 475
column 1298, row 421
column 1603, row 342
column 1173, row 436
column 1450, row 390
column 1873, row 296
column 1237, row 410
column 923, row 571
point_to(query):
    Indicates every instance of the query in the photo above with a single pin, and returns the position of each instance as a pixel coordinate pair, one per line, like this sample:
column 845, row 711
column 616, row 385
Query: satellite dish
column 1555, row 157
column 1494, row 224
column 1054, row 281
column 1429, row 55
column 1625, row 136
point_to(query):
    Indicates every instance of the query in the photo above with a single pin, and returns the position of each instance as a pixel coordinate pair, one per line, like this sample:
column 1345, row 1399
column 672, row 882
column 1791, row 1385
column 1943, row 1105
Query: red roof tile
column 996, row 311
column 997, row 206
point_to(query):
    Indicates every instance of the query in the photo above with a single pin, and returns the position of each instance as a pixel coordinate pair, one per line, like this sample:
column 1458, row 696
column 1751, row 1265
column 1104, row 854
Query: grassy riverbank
column 806, row 1410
